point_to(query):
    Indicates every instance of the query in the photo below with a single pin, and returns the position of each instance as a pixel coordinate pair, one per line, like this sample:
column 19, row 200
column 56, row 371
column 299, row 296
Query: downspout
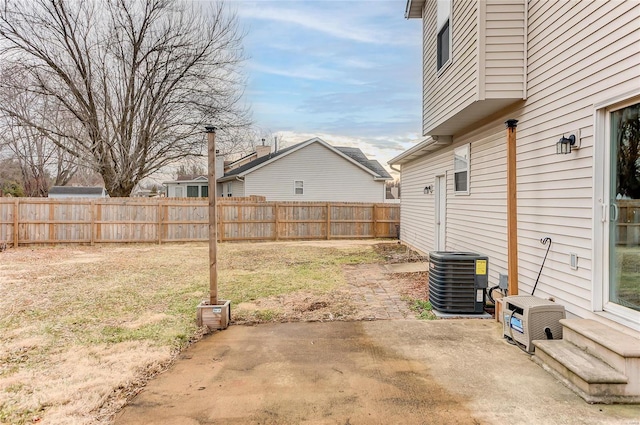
column 512, row 209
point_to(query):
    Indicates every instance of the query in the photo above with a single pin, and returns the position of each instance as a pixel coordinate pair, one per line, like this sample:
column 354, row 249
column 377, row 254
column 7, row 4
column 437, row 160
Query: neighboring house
column 309, row 171
column 192, row 186
column 77, row 192
column 561, row 69
column 188, row 187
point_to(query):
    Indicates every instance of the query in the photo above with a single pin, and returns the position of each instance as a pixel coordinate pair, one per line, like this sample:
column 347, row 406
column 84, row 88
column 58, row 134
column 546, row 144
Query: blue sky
column 348, row 72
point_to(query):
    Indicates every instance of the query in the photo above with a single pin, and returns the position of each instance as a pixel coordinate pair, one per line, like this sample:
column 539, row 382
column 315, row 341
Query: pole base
column 214, row 317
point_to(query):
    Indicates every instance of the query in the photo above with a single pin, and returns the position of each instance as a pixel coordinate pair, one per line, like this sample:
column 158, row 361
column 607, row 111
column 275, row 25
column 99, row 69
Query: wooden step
column 590, row 377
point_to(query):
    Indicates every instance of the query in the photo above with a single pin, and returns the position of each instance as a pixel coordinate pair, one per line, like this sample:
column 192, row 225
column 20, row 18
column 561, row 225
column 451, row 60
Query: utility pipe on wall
column 213, row 228
column 512, row 208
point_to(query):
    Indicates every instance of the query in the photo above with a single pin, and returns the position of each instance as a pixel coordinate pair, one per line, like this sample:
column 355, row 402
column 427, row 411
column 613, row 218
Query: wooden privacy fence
column 160, row 220
column 628, row 228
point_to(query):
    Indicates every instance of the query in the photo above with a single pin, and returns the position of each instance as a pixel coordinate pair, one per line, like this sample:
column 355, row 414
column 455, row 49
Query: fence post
column 220, row 222
column 276, row 224
column 16, row 209
column 160, row 217
column 328, row 220
column 98, row 215
column 92, row 223
column 52, row 226
column 375, row 220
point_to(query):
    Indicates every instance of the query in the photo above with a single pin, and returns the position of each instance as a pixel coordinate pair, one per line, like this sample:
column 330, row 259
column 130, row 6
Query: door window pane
column 624, row 261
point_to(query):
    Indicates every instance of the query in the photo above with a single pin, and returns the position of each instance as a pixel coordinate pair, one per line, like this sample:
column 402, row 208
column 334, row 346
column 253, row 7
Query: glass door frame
column 603, row 211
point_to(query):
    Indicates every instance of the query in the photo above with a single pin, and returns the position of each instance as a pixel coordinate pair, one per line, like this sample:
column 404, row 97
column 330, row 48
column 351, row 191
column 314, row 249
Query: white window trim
column 295, row 187
column 468, row 170
column 447, row 64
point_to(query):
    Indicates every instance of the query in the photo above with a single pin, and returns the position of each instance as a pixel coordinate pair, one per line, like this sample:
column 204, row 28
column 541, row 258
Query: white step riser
column 595, row 390
column 613, row 359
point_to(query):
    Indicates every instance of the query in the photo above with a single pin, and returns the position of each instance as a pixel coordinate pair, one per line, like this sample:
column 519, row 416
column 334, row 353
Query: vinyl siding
column 488, row 67
column 237, row 188
column 594, row 57
column 474, row 222
column 457, row 85
column 327, row 176
column 503, row 47
column 417, row 210
column 568, row 72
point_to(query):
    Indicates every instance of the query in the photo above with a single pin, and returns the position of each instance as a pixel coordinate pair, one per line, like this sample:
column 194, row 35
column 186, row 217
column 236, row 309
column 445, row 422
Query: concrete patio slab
column 377, row 372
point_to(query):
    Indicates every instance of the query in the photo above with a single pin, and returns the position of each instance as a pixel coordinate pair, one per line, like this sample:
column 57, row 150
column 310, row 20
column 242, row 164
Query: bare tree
column 141, row 77
column 41, row 160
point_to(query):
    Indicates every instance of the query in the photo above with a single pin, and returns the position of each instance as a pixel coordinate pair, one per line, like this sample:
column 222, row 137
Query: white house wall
column 238, row 188
column 474, row 222
column 568, row 73
column 579, row 54
column 503, row 46
column 326, row 175
column 458, row 85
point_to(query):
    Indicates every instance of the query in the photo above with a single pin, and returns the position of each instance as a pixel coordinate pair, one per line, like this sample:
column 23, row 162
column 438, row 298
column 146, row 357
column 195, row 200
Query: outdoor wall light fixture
column 428, row 189
column 564, row 144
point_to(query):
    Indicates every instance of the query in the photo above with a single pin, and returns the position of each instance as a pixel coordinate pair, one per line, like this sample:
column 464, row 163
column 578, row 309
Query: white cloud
column 352, row 21
column 306, row 72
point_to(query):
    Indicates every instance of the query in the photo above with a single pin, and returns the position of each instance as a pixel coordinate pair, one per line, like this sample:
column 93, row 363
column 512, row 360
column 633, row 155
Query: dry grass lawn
column 82, row 328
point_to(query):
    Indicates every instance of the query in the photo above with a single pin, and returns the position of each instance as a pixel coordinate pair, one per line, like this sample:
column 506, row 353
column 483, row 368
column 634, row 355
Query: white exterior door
column 440, row 213
column 617, row 282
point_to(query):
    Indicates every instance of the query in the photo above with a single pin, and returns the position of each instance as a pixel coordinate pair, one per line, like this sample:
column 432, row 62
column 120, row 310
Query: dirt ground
column 368, row 294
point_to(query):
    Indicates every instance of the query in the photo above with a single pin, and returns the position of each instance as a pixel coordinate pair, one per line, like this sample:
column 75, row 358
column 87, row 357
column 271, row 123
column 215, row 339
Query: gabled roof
column 353, row 155
column 188, row 179
column 76, row 190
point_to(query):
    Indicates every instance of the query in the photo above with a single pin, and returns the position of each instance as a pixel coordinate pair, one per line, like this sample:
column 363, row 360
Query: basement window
column 461, row 170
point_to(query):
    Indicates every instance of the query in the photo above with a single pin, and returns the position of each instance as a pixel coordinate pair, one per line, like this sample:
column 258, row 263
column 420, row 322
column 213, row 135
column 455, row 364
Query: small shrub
column 423, row 309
